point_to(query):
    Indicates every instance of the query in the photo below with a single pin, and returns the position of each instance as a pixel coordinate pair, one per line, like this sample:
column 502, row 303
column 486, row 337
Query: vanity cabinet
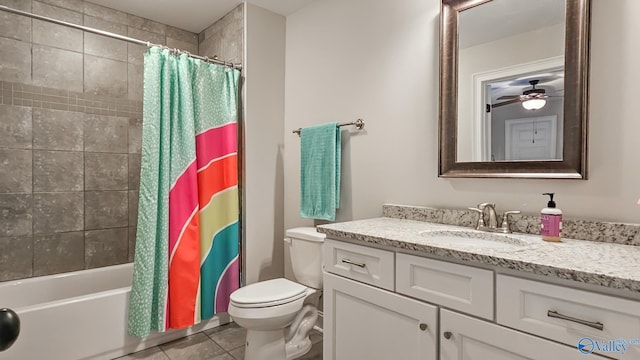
column 379, row 304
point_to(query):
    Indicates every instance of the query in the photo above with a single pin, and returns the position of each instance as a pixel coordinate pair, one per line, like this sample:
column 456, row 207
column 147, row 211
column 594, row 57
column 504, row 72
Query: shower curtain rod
column 119, row 37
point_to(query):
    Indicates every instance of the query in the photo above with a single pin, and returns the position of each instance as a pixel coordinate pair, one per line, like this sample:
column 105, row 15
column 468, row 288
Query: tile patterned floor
column 222, row 343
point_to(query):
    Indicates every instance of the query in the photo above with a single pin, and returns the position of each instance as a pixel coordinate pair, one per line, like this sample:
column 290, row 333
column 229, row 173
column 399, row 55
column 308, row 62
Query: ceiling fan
column 531, row 99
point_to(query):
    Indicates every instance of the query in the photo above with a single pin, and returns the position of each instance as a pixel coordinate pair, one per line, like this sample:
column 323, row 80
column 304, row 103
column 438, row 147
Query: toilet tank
column 305, row 251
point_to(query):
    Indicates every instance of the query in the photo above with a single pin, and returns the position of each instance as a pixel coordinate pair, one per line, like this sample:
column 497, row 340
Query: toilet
column 279, row 313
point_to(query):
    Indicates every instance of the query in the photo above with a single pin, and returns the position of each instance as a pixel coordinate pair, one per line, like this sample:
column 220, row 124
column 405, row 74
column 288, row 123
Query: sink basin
column 475, row 239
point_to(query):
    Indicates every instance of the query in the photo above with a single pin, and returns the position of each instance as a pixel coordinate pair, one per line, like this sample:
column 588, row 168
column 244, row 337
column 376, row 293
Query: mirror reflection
column 511, row 81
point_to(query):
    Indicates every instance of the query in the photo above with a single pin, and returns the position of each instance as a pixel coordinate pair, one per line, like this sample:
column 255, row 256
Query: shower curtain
column 186, row 252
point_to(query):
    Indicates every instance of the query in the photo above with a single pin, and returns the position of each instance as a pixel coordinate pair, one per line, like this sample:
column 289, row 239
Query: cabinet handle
column 423, row 327
column 360, row 265
column 447, row 335
column 557, row 315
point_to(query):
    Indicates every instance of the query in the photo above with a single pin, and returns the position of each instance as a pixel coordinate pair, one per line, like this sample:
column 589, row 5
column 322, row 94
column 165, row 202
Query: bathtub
column 79, row 315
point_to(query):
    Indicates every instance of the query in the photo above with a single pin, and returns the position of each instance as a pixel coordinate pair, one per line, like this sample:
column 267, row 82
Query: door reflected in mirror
column 523, row 118
column 511, row 81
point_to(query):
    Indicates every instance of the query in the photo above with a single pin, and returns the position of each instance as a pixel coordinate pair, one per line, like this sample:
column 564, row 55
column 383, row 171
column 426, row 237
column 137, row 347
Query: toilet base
column 263, row 344
column 297, row 338
column 299, row 349
column 275, row 345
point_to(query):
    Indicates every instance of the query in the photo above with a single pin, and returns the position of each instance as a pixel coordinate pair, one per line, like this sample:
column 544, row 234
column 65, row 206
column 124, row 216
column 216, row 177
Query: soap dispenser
column 550, row 221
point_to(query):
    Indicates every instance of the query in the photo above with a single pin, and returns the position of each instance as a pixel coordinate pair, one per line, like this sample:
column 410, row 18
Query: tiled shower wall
column 224, row 38
column 70, row 129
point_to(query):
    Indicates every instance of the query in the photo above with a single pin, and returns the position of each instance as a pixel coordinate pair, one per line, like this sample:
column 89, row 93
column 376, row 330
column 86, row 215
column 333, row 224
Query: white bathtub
column 79, row 315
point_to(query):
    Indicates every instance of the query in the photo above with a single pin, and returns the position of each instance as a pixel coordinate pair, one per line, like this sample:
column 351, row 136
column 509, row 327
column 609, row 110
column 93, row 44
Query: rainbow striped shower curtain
column 186, row 253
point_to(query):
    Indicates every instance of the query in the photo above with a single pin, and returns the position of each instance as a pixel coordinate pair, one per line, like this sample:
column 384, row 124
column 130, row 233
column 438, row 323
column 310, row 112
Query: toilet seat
column 268, row 293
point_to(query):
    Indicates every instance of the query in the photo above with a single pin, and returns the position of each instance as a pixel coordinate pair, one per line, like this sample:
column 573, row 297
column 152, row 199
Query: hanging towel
column 320, row 171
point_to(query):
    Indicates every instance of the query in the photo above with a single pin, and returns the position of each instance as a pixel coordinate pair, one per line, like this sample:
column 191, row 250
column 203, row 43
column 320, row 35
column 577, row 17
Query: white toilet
column 272, row 311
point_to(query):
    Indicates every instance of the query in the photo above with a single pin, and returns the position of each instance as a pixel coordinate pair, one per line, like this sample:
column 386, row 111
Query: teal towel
column 320, row 171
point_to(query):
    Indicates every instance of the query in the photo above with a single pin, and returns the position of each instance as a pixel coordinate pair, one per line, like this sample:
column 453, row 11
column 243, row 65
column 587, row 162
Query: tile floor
column 222, row 343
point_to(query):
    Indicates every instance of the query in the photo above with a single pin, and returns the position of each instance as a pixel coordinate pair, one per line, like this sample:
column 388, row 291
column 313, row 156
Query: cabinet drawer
column 466, row 338
column 365, row 264
column 569, row 315
column 454, row 286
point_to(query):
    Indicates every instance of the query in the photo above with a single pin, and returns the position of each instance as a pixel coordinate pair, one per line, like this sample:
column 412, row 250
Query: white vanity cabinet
column 367, row 322
column 379, row 304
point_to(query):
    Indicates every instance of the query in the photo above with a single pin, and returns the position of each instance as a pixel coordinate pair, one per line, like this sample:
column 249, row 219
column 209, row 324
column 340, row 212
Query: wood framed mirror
column 514, row 88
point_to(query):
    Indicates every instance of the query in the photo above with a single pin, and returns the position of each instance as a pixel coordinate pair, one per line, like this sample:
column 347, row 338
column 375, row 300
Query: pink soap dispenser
column 550, row 221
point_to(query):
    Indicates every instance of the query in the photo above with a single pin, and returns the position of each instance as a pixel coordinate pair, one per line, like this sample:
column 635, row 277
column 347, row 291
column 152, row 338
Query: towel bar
column 359, row 124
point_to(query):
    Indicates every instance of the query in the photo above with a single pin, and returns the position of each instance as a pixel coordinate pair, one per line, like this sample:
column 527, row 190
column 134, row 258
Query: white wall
column 378, row 59
column 263, row 118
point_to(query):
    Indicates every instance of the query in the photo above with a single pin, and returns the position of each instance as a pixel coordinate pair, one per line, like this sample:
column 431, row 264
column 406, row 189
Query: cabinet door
column 466, row 338
column 364, row 322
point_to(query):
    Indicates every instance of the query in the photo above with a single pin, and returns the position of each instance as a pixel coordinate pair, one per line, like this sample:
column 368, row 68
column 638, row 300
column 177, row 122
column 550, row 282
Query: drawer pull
column 423, row 327
column 557, row 315
column 360, row 265
column 447, row 335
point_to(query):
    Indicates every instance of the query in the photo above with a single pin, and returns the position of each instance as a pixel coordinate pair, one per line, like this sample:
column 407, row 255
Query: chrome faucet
column 493, row 218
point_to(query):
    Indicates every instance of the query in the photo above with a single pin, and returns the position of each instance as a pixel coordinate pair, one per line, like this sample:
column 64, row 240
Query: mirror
column 513, row 88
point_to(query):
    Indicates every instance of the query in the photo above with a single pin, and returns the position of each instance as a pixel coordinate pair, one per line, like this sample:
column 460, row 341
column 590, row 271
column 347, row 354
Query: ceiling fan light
column 534, row 104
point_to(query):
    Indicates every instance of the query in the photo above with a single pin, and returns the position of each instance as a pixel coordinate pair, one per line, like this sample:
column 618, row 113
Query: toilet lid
column 268, row 293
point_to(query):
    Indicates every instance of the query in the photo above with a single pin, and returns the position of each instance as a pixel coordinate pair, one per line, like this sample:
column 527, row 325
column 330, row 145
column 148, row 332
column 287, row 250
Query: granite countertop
column 596, row 263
